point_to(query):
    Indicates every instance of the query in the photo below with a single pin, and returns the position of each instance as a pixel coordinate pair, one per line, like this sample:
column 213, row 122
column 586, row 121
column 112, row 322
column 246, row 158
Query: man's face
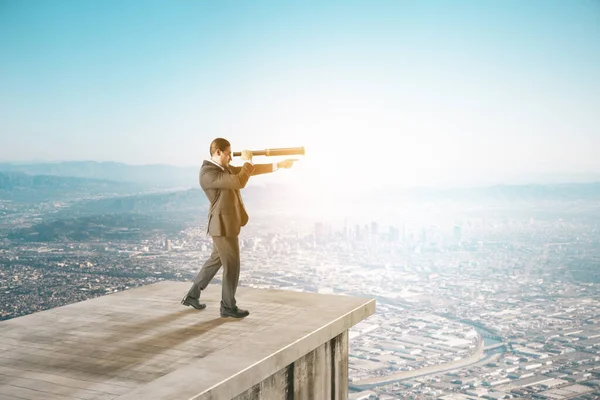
column 224, row 157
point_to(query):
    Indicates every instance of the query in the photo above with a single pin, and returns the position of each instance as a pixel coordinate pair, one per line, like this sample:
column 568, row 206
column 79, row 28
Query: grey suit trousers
column 226, row 253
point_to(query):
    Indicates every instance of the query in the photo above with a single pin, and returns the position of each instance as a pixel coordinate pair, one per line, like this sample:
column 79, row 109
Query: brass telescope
column 287, row 151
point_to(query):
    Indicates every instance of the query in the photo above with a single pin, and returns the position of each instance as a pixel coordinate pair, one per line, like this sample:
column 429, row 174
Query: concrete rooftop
column 143, row 344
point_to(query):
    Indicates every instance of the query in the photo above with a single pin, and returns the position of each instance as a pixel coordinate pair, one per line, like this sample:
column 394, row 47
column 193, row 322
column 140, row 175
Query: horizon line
column 594, row 181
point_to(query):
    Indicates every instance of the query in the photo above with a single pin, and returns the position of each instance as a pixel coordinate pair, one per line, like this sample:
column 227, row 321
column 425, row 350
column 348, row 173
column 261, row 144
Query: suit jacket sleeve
column 215, row 178
column 258, row 169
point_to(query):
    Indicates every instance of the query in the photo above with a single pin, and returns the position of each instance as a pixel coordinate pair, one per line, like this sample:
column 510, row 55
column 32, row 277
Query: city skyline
column 489, row 295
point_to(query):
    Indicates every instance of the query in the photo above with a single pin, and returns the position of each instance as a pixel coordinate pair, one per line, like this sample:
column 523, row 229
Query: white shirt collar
column 217, row 164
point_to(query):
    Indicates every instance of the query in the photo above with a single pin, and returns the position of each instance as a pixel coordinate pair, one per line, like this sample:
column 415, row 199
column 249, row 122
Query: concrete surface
column 143, row 344
column 320, row 374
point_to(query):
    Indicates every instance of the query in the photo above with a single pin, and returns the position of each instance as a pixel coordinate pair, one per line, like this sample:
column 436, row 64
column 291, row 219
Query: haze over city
column 450, row 181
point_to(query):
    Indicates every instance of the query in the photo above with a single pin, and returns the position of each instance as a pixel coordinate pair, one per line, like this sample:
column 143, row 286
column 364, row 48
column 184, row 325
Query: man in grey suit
column 221, row 183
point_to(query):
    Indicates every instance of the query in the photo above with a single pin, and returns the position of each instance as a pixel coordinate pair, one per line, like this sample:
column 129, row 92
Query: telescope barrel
column 287, row 151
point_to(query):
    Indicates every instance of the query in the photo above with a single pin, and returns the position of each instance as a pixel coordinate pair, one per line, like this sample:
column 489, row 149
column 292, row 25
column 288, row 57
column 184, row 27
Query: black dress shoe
column 188, row 301
column 234, row 312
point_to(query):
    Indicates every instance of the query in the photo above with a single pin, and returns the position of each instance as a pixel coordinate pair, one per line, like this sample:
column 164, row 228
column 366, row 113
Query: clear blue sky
column 379, row 92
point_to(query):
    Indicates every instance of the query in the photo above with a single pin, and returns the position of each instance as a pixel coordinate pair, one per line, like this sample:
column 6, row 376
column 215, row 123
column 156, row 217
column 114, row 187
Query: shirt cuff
column 275, row 167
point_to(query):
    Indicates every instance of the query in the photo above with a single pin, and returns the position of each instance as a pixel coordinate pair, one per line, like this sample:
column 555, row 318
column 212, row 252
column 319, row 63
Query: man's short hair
column 219, row 143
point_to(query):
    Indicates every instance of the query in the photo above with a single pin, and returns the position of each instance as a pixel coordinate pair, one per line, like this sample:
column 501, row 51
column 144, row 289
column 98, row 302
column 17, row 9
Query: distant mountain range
column 566, row 191
column 174, row 202
column 21, row 187
column 20, row 181
column 48, row 180
column 156, row 175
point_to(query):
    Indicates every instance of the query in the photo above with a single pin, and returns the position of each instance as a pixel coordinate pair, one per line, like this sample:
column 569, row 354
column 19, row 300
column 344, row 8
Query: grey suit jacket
column 227, row 213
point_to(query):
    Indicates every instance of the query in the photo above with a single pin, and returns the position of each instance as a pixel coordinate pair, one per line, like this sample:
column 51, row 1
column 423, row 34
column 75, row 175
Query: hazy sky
column 379, row 92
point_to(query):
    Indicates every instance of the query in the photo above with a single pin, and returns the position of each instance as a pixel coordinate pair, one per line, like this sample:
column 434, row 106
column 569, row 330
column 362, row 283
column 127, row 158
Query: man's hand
column 286, row 163
column 247, row 155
